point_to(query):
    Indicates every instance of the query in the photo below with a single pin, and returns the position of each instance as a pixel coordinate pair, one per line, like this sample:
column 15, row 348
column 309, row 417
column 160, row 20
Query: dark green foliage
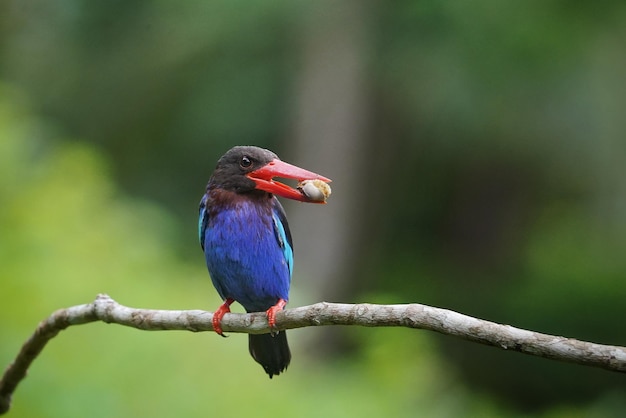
column 496, row 188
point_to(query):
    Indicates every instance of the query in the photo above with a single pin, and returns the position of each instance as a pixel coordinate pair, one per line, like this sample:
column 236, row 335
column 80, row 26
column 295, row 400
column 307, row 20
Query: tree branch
column 411, row 316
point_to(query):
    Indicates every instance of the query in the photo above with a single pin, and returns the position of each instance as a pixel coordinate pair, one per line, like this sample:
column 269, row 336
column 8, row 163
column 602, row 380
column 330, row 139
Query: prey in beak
column 312, row 187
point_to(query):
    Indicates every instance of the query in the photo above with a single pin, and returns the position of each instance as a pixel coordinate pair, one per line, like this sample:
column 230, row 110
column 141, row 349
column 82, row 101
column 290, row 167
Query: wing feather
column 283, row 234
column 203, row 220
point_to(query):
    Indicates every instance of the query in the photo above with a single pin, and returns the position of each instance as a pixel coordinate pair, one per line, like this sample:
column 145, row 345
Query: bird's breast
column 244, row 257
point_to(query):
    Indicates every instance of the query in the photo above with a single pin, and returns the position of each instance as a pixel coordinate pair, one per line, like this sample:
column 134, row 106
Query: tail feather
column 270, row 351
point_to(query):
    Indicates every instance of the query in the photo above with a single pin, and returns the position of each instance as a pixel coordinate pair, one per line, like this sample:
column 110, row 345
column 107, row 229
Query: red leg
column 219, row 314
column 271, row 312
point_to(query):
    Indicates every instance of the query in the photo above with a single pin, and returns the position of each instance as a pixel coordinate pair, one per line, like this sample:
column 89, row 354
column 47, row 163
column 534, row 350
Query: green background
column 478, row 150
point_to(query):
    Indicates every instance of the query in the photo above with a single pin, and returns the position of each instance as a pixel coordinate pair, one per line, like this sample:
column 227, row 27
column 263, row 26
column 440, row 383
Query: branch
column 412, row 315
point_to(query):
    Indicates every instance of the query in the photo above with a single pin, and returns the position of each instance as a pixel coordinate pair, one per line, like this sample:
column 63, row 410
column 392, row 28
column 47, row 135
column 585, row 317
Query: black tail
column 270, row 351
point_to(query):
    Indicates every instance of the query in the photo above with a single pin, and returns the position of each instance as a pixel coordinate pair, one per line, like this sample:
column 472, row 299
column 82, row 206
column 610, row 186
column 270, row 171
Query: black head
column 232, row 168
column 248, row 169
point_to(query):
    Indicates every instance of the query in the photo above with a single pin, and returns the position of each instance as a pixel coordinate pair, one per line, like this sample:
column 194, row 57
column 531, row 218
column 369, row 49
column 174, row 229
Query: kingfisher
column 247, row 243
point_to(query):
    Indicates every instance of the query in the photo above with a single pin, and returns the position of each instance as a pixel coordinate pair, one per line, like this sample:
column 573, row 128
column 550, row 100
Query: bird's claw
column 218, row 330
column 219, row 314
column 271, row 315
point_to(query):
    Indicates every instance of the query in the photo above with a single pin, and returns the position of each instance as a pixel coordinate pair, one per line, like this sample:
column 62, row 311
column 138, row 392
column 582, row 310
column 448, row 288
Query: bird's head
column 246, row 169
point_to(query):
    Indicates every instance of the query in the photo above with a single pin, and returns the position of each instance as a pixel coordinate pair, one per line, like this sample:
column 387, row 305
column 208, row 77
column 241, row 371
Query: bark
column 411, row 315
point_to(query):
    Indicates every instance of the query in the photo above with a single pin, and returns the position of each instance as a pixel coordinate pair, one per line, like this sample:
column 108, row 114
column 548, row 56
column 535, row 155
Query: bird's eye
column 245, row 162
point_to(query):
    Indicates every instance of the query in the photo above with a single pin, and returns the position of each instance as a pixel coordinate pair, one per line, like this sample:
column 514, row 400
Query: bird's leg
column 219, row 314
column 271, row 313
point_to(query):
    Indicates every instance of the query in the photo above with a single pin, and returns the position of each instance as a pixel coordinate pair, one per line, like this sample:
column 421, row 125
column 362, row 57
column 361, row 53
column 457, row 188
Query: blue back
column 248, row 250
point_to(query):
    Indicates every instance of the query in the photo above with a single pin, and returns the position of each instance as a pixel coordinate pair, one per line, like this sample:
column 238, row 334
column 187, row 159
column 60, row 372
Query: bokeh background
column 477, row 151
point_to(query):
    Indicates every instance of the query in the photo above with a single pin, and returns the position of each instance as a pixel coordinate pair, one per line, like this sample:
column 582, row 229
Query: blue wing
column 203, row 220
column 283, row 234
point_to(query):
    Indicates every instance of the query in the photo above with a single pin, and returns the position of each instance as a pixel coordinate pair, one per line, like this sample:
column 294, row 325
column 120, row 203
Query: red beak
column 277, row 168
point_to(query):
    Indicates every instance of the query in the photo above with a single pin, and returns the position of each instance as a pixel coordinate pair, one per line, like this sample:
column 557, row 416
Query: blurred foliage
column 68, row 234
column 496, row 133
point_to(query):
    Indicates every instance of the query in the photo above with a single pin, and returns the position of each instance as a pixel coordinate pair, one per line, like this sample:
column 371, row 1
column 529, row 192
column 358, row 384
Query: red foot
column 219, row 314
column 271, row 312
